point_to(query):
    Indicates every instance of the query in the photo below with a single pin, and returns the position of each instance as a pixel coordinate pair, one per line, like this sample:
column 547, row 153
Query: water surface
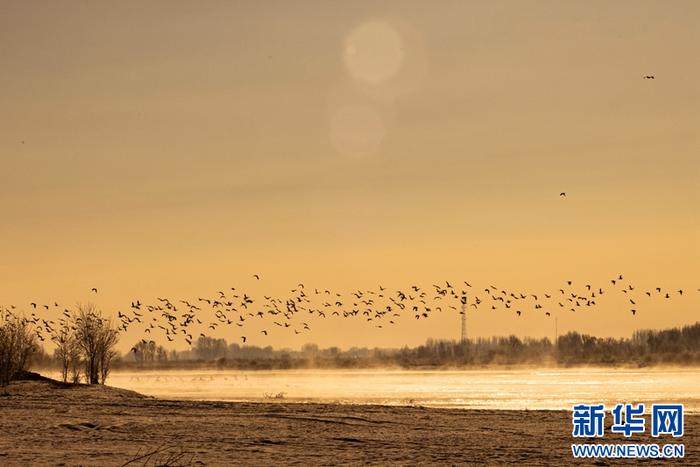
column 481, row 389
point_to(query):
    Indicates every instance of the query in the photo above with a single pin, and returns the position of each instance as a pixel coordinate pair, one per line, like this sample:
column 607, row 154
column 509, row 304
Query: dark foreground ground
column 54, row 424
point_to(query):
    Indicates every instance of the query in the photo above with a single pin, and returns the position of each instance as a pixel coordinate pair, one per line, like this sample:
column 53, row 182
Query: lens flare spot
column 374, row 52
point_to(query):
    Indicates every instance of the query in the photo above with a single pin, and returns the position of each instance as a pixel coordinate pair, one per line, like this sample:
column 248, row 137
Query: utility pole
column 464, row 320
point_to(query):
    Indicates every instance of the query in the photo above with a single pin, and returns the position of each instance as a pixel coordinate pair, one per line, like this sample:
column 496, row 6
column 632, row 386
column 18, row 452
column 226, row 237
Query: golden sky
column 175, row 148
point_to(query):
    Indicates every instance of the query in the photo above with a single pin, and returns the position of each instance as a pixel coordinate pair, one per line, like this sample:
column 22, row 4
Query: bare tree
column 161, row 354
column 17, row 343
column 76, row 367
column 208, row 348
column 144, row 352
column 96, row 338
column 67, row 353
column 109, row 339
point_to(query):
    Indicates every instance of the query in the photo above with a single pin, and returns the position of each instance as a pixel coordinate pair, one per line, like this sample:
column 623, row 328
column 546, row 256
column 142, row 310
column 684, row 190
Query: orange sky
column 177, row 148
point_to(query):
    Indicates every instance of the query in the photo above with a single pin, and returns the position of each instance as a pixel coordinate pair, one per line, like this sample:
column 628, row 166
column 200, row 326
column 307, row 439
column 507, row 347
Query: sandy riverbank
column 55, row 424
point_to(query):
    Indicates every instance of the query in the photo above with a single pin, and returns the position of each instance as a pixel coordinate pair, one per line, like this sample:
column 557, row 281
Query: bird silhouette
column 178, row 318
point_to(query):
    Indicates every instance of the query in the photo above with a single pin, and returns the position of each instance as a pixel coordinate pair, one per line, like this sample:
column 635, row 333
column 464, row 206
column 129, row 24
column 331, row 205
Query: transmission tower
column 464, row 321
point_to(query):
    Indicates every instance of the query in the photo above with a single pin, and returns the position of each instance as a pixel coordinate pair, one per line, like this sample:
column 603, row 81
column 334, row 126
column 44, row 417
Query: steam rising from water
column 486, row 389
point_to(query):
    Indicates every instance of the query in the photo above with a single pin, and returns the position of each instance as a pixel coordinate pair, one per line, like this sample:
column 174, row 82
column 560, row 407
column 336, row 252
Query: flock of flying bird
column 182, row 318
column 188, row 319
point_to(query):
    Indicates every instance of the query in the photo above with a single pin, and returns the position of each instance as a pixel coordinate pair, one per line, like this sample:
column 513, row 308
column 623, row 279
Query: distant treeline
column 680, row 346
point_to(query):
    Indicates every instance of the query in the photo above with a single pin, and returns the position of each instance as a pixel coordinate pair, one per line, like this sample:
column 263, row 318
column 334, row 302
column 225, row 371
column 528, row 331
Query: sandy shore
column 54, row 424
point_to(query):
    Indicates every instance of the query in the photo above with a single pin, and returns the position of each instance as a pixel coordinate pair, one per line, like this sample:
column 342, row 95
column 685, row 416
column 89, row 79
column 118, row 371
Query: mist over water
column 518, row 389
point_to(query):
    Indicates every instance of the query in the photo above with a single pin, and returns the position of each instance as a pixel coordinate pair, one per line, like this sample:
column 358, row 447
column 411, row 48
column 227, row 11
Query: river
column 543, row 388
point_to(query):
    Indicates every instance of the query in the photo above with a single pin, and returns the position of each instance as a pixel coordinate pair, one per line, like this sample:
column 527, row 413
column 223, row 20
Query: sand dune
column 48, row 423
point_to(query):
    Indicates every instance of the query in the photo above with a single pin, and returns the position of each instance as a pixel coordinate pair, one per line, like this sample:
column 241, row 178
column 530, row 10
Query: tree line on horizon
column 680, row 346
column 85, row 352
